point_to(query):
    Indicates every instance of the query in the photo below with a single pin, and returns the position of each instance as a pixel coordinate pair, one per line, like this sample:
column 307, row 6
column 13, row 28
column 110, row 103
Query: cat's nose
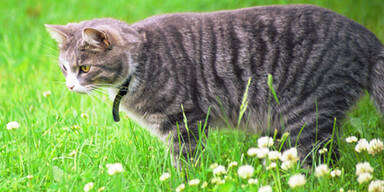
column 70, row 87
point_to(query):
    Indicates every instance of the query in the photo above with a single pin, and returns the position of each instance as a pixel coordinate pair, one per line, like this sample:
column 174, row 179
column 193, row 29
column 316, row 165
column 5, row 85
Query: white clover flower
column 259, row 152
column 219, row 170
column 266, row 188
column 29, row 177
column 204, row 185
column 165, row 176
column 227, row 177
column 271, row 166
column 375, row 146
column 220, row 181
column 88, row 186
column 297, row 180
column 376, row 186
column 321, row 170
column 287, row 165
column 252, row 151
column 114, row 168
column 245, row 171
column 265, row 142
column 232, row 164
column 362, row 145
column 180, row 188
column 323, row 151
column 274, row 155
column 262, row 153
column 341, row 190
column 217, row 180
column 194, row 182
column 289, row 158
column 72, row 153
column 47, row 93
column 351, row 139
column 290, row 155
column 75, row 127
column 252, row 181
column 364, row 167
column 213, row 166
column 84, row 116
column 13, row 125
column 364, row 177
column 335, row 173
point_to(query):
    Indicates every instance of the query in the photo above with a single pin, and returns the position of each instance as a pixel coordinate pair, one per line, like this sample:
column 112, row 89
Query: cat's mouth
column 82, row 89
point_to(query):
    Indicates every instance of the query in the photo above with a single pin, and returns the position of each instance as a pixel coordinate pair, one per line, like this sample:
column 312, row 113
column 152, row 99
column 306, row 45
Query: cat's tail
column 377, row 82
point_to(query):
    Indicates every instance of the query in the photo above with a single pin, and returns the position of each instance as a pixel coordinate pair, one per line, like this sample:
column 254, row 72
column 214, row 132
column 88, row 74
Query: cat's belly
column 256, row 122
column 149, row 122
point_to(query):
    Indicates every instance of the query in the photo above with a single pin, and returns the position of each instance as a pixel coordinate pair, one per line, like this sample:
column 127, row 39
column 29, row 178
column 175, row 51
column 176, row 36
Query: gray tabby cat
column 321, row 63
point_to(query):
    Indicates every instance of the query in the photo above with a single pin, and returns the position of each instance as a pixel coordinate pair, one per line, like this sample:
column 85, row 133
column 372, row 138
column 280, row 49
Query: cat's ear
column 58, row 33
column 96, row 37
column 106, row 36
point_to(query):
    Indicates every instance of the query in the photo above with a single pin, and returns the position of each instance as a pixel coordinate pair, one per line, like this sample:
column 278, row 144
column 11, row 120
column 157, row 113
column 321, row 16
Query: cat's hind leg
column 314, row 125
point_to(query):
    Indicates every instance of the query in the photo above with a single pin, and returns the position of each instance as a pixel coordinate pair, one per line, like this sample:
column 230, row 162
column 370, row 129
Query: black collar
column 123, row 89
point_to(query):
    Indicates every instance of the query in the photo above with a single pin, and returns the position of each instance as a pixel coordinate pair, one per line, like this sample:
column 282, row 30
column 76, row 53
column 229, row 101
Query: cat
column 172, row 65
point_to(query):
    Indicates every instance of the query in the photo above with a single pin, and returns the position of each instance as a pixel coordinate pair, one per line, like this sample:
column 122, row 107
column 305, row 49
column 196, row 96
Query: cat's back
column 258, row 14
column 275, row 10
column 269, row 21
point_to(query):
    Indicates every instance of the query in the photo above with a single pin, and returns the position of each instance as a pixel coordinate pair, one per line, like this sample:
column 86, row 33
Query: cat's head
column 96, row 53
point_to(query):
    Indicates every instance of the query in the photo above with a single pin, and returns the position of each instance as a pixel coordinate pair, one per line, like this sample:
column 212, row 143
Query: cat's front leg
column 186, row 140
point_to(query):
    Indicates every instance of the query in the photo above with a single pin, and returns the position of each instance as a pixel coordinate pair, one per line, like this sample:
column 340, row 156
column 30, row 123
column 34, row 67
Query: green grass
column 52, row 127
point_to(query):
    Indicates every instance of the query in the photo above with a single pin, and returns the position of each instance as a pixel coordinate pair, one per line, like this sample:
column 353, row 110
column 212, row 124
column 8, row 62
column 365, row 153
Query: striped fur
column 321, row 63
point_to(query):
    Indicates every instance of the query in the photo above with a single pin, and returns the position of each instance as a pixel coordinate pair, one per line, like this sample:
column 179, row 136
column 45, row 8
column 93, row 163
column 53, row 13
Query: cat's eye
column 85, row 68
column 65, row 69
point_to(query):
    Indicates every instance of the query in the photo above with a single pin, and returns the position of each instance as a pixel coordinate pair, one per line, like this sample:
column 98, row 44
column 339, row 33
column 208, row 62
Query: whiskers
column 92, row 89
column 97, row 95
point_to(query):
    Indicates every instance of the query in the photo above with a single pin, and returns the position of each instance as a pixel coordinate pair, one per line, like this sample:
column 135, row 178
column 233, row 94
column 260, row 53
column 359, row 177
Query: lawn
column 65, row 140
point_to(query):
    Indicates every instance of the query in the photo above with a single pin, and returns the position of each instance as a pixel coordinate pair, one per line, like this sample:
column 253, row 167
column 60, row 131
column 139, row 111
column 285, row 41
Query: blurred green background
column 52, row 127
